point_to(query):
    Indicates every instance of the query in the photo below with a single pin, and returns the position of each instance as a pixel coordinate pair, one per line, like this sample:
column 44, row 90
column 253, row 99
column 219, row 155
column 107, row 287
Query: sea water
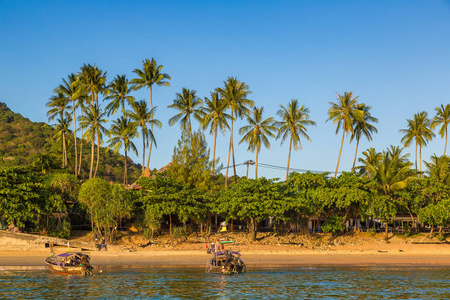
column 258, row 283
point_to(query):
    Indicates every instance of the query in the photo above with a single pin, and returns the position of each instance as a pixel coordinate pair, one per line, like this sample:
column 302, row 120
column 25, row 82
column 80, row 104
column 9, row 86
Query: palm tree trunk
column 420, row 159
column 445, row 147
column 340, row 151
column 356, row 153
column 63, row 152
column 234, row 164
column 289, row 158
column 92, row 156
column 125, row 170
column 256, row 167
column 151, row 128
column 98, row 153
column 229, row 151
column 214, row 156
column 190, row 128
column 416, row 156
column 75, row 138
column 143, row 151
column 81, row 144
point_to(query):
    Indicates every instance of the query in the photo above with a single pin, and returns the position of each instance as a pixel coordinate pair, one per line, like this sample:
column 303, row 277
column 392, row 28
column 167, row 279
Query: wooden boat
column 70, row 263
column 226, row 262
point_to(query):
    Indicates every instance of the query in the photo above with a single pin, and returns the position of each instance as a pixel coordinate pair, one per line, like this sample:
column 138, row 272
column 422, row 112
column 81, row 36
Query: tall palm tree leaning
column 213, row 115
column 294, row 120
column 71, row 89
column 118, row 94
column 419, row 130
column 442, row 118
column 235, row 93
column 343, row 113
column 256, row 133
column 188, row 104
column 93, row 121
column 149, row 75
column 59, row 107
column 142, row 116
column 363, row 127
column 122, row 133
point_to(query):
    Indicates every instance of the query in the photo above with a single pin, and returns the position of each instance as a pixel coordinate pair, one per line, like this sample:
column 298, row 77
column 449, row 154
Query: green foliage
column 255, row 200
column 107, row 204
column 333, row 224
column 190, row 162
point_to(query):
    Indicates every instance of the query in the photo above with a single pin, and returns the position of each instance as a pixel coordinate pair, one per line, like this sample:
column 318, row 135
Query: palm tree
column 235, row 93
column 343, row 113
column 93, row 121
column 214, row 116
column 59, row 106
column 363, row 127
column 293, row 124
column 439, row 168
column 71, row 89
column 256, row 133
column 442, row 117
column 188, row 104
column 142, row 116
column 122, row 132
column 149, row 75
column 93, row 80
column 118, row 94
column 62, row 129
column 419, row 130
column 369, row 163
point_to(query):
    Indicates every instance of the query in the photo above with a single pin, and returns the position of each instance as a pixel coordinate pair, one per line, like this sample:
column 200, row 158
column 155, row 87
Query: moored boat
column 70, row 263
column 226, row 262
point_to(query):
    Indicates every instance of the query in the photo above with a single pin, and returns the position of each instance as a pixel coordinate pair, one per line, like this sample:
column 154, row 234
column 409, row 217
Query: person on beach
column 103, row 245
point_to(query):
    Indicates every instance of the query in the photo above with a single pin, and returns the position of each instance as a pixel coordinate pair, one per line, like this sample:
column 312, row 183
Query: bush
column 178, row 232
column 333, row 224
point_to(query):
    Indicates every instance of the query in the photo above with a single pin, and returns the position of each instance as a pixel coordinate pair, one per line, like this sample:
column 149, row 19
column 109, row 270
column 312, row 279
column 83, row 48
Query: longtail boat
column 226, row 262
column 70, row 263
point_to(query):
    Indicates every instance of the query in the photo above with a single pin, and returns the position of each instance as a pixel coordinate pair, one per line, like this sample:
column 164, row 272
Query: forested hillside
column 36, row 145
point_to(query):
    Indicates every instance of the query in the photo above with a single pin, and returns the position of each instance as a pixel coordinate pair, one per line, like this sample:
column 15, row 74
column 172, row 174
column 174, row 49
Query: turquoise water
column 273, row 283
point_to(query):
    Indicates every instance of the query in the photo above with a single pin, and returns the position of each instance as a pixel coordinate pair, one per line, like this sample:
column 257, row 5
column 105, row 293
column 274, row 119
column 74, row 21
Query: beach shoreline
column 420, row 255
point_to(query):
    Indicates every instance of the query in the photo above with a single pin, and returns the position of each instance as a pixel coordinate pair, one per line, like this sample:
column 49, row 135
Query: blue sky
column 393, row 54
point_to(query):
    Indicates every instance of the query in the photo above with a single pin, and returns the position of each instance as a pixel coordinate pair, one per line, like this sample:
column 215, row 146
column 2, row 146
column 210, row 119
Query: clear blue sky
column 395, row 55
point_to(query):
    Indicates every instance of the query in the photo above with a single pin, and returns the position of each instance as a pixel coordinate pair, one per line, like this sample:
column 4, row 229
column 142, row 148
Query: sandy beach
column 392, row 254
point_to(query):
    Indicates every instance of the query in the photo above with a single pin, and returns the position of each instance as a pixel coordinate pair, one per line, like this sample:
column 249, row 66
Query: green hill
column 31, row 144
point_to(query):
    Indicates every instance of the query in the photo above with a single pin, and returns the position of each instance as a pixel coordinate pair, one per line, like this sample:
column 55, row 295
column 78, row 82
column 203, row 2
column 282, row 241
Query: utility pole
column 248, row 162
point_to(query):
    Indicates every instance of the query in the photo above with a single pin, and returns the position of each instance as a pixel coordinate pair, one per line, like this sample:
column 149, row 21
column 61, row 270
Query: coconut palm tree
column 72, row 90
column 257, row 132
column 213, row 115
column 142, row 116
column 369, row 163
column 439, row 168
column 188, row 104
column 235, row 93
column 59, row 106
column 122, row 133
column 393, row 170
column 294, row 120
column 149, row 75
column 363, row 127
column 344, row 113
column 62, row 130
column 93, row 121
column 118, row 94
column 442, row 118
column 419, row 130
column 93, row 80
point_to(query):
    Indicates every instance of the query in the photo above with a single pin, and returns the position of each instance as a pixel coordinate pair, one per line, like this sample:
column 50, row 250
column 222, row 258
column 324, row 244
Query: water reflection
column 311, row 283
